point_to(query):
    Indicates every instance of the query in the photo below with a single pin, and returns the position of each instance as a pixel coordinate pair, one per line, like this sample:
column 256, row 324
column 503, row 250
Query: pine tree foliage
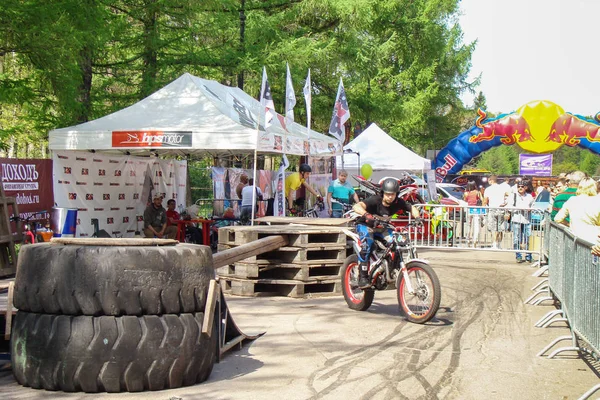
column 403, row 62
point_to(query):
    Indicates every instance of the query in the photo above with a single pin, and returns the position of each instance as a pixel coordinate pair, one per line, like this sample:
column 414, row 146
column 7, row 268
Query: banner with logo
column 279, row 203
column 535, row 164
column 114, row 189
column 29, row 181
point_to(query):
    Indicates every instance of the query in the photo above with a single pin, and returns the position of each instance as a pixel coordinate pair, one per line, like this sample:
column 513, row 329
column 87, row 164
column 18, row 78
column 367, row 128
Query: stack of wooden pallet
column 310, row 264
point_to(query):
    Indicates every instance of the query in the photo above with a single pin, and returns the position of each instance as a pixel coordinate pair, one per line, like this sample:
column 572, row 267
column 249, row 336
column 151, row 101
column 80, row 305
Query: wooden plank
column 249, row 250
column 280, row 229
column 209, row 309
column 303, row 273
column 114, row 241
column 304, row 220
column 273, row 287
column 9, row 311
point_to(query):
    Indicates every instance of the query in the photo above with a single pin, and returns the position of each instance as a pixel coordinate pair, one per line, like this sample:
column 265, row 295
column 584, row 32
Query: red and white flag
column 266, row 100
column 341, row 114
column 290, row 98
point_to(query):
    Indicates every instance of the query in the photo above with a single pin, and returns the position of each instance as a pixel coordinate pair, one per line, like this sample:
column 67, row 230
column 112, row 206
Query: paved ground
column 482, row 346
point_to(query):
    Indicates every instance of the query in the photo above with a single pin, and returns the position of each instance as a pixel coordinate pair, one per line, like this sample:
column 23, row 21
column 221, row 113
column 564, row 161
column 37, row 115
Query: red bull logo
column 511, row 129
column 569, row 129
column 442, row 171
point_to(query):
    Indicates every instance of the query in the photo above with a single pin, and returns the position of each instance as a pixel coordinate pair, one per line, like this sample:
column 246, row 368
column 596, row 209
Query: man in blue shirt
column 340, row 191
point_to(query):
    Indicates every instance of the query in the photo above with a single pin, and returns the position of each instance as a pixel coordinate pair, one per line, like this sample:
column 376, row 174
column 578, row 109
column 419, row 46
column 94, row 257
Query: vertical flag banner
column 279, row 203
column 308, row 99
column 266, row 99
column 341, row 114
column 290, row 98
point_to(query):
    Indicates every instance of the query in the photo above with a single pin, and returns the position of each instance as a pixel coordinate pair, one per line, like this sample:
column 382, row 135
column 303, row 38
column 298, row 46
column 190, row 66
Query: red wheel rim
column 406, row 307
column 347, row 283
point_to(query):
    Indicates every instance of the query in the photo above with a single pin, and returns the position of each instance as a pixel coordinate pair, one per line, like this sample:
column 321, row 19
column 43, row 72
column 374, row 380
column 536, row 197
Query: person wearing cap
column 155, row 220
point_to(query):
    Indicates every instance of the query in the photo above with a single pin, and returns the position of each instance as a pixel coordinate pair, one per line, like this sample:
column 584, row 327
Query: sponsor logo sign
column 151, row 139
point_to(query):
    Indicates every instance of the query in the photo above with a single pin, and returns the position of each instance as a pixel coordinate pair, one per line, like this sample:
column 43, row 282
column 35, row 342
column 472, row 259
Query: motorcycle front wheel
column 423, row 303
column 356, row 298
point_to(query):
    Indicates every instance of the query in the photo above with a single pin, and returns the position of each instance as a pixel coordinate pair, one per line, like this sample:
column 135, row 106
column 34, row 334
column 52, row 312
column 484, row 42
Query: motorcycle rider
column 371, row 210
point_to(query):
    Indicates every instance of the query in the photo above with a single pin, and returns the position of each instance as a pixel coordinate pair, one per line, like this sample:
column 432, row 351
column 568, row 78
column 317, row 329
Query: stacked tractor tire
column 97, row 318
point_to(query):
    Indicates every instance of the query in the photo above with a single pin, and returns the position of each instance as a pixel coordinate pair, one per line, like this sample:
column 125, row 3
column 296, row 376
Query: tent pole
column 254, row 168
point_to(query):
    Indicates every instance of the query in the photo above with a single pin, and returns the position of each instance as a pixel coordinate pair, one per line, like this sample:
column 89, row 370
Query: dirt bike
column 393, row 261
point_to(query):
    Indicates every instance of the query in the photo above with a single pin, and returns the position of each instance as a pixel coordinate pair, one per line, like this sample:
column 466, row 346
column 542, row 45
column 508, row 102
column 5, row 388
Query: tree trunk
column 85, row 87
column 149, row 56
column 242, row 38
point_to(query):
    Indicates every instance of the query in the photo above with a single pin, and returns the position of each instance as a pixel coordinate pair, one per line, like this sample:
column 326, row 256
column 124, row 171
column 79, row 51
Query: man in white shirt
column 247, row 194
column 520, row 224
column 494, row 197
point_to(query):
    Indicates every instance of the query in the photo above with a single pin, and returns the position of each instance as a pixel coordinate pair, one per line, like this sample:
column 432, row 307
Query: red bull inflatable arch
column 539, row 126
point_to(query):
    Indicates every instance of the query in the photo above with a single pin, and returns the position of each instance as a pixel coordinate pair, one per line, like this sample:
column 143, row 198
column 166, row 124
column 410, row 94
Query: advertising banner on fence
column 535, row 164
column 29, row 181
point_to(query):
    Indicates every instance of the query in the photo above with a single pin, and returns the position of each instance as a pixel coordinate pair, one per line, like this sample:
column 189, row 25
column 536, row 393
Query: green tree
column 590, row 163
column 480, row 102
column 501, row 160
column 564, row 167
column 403, row 62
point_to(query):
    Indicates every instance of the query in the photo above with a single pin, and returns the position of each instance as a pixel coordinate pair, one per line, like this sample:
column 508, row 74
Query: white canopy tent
column 193, row 115
column 385, row 154
column 188, row 116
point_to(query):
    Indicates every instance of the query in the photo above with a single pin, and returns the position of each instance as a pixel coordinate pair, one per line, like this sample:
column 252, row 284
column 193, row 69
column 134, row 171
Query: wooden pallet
column 304, row 273
column 271, row 287
column 297, row 255
column 299, row 236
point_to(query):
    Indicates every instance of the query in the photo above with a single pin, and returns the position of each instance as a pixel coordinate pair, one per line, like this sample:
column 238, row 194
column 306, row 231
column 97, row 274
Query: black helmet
column 390, row 185
column 305, row 168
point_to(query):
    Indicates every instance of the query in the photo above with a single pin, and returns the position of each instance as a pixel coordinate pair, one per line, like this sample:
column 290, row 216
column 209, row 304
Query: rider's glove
column 292, row 211
column 370, row 220
column 320, row 198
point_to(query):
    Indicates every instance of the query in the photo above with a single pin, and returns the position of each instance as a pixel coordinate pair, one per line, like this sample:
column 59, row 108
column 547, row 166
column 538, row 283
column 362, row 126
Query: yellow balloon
column 366, row 171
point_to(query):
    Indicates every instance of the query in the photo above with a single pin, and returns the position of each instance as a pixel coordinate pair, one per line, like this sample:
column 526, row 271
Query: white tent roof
column 382, row 152
column 193, row 115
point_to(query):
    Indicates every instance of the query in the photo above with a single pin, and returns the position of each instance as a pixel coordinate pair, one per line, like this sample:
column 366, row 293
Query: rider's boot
column 363, row 276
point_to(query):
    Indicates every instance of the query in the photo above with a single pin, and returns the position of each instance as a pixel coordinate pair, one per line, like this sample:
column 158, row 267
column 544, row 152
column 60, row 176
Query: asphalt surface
column 482, row 345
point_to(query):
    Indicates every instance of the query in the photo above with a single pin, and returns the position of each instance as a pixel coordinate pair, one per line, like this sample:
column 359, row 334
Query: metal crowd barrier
column 467, row 227
column 574, row 280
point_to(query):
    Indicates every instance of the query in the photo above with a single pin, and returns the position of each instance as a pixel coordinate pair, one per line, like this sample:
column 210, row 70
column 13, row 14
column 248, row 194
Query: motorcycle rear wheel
column 422, row 305
column 357, row 299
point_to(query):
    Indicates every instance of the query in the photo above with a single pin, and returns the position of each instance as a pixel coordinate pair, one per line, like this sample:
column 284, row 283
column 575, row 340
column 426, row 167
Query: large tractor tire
column 112, row 354
column 112, row 280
